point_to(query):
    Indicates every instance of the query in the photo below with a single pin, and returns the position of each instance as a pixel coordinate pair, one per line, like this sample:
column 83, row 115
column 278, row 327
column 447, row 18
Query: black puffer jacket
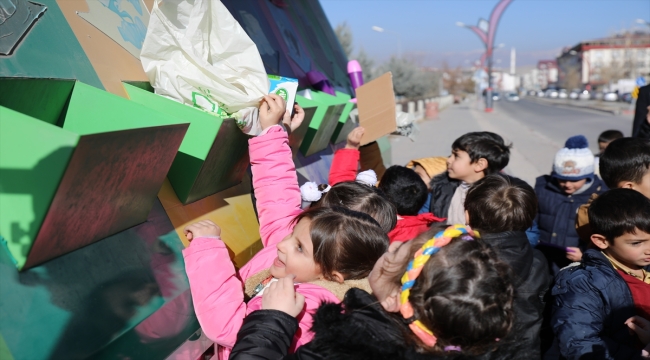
column 357, row 329
column 532, row 280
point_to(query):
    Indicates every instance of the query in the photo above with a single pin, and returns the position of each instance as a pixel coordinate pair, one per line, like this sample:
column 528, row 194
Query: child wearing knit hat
column 560, row 194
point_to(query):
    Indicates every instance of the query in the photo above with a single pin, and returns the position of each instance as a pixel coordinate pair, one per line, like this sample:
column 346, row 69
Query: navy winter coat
column 556, row 218
column 591, row 302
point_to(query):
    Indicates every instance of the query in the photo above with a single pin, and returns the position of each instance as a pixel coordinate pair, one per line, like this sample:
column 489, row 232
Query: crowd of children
column 440, row 259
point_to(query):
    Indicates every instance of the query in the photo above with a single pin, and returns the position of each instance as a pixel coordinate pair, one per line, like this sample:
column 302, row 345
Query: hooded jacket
column 591, row 303
column 216, row 287
column 357, row 329
column 410, row 226
column 557, row 218
column 532, row 280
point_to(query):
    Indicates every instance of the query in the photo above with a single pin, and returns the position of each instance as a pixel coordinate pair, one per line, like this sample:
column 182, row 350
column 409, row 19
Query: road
column 536, row 130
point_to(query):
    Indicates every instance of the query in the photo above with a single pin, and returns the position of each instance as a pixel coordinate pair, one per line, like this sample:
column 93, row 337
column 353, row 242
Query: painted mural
column 99, row 175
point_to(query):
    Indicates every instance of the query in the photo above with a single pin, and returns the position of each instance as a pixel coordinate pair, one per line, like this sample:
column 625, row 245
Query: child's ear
column 626, row 185
column 480, row 165
column 338, row 277
column 600, row 241
column 392, row 302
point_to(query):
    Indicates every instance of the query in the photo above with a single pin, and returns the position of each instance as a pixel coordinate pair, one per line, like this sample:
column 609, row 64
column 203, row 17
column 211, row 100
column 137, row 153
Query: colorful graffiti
column 98, row 175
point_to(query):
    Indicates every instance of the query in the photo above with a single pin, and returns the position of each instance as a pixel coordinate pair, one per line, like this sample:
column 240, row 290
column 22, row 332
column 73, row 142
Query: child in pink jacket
column 328, row 250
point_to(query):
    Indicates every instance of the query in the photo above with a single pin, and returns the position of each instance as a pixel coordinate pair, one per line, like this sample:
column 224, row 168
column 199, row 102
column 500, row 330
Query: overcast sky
column 538, row 29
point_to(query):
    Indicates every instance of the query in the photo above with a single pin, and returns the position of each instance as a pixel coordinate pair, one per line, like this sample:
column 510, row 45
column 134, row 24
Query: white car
column 574, row 95
column 563, row 94
column 610, row 97
column 553, row 94
column 512, row 97
column 584, row 95
column 540, row 93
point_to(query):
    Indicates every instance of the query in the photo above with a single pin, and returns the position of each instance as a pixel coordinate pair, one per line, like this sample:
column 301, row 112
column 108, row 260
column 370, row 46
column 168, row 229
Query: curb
column 613, row 112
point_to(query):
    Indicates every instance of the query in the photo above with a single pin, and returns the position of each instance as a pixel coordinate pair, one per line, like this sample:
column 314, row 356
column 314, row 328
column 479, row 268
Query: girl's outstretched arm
column 345, row 163
column 217, row 292
column 274, row 180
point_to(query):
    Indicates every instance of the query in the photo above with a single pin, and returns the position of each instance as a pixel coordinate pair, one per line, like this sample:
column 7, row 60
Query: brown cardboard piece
column 376, row 104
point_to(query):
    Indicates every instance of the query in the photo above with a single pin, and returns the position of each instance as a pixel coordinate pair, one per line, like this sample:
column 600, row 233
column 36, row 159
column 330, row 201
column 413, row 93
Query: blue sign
column 640, row 81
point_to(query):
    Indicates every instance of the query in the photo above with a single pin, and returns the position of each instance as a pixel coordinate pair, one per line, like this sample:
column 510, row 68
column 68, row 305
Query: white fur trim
column 368, row 177
column 309, row 191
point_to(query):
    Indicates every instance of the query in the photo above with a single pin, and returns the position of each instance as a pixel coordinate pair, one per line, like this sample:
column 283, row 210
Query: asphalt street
column 535, row 130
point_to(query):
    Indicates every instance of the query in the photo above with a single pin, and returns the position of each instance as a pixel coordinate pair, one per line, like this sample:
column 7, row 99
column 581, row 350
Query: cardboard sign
column 376, row 104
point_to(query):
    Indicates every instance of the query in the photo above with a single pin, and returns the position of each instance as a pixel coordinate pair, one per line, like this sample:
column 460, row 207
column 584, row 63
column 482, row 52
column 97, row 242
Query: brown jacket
column 582, row 220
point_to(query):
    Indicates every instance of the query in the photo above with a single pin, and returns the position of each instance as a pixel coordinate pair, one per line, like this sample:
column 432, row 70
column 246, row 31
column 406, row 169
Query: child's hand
column 281, row 295
column 272, row 110
column 203, row 228
column 574, row 254
column 641, row 327
column 354, row 138
column 292, row 123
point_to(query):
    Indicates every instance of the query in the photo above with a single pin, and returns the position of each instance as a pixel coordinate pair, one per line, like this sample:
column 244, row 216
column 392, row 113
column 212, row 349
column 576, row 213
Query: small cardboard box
column 376, row 104
column 285, row 87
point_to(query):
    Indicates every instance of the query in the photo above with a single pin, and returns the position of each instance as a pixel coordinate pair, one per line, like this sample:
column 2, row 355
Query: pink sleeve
column 275, row 183
column 345, row 165
column 217, row 292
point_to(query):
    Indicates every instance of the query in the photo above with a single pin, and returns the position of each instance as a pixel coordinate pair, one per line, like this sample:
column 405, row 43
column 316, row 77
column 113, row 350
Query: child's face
column 423, row 175
column 570, row 187
column 460, row 167
column 296, row 255
column 630, row 249
column 602, row 146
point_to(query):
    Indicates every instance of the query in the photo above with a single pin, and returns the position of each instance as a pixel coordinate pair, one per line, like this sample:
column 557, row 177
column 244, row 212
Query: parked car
column 610, row 97
column 574, row 94
column 495, row 96
column 627, row 97
column 552, row 93
column 563, row 94
column 597, row 95
column 540, row 93
column 584, row 95
column 532, row 93
column 512, row 97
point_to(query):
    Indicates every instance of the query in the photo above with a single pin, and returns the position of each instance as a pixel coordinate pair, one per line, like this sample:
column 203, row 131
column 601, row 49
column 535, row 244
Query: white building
column 605, row 61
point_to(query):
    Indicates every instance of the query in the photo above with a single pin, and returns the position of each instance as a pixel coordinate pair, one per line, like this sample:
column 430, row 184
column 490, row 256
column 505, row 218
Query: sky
column 428, row 34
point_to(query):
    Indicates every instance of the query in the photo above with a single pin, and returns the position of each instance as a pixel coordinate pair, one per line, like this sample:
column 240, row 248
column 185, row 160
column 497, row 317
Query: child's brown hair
column 344, row 240
column 464, row 295
column 363, row 198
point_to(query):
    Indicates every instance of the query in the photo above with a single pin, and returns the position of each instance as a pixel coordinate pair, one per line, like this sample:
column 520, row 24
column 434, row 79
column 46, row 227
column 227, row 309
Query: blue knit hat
column 574, row 161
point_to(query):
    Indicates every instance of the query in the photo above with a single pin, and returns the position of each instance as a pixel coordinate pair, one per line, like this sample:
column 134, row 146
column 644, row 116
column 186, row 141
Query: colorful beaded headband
column 414, row 269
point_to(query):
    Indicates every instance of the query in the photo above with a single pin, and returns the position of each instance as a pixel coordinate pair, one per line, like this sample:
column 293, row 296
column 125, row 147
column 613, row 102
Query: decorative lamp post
column 486, row 31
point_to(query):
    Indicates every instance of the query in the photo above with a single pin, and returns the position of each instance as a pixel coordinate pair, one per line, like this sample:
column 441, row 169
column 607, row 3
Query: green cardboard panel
column 33, row 159
column 44, row 99
column 213, row 155
column 342, row 130
column 108, row 162
column 322, row 124
column 297, row 136
column 128, row 292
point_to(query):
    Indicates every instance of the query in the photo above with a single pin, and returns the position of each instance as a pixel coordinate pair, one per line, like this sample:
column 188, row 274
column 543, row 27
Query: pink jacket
column 217, row 289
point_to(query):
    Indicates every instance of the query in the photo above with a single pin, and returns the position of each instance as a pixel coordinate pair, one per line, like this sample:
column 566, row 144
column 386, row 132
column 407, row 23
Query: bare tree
column 408, row 79
column 367, row 65
column 344, row 34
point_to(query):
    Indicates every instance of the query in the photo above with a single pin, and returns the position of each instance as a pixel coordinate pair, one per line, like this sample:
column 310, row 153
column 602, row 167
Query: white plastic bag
column 196, row 53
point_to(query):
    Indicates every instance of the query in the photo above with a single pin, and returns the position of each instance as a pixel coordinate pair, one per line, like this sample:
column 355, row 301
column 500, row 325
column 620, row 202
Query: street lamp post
column 397, row 35
column 486, row 31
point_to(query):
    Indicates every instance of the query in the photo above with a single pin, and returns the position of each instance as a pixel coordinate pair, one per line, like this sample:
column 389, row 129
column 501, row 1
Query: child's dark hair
column 363, row 198
column 496, row 205
column 608, row 136
column 618, row 212
column 464, row 295
column 626, row 159
column 404, row 188
column 487, row 145
column 344, row 240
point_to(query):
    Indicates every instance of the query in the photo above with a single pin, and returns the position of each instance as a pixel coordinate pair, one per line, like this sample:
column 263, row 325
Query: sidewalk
column 614, row 107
